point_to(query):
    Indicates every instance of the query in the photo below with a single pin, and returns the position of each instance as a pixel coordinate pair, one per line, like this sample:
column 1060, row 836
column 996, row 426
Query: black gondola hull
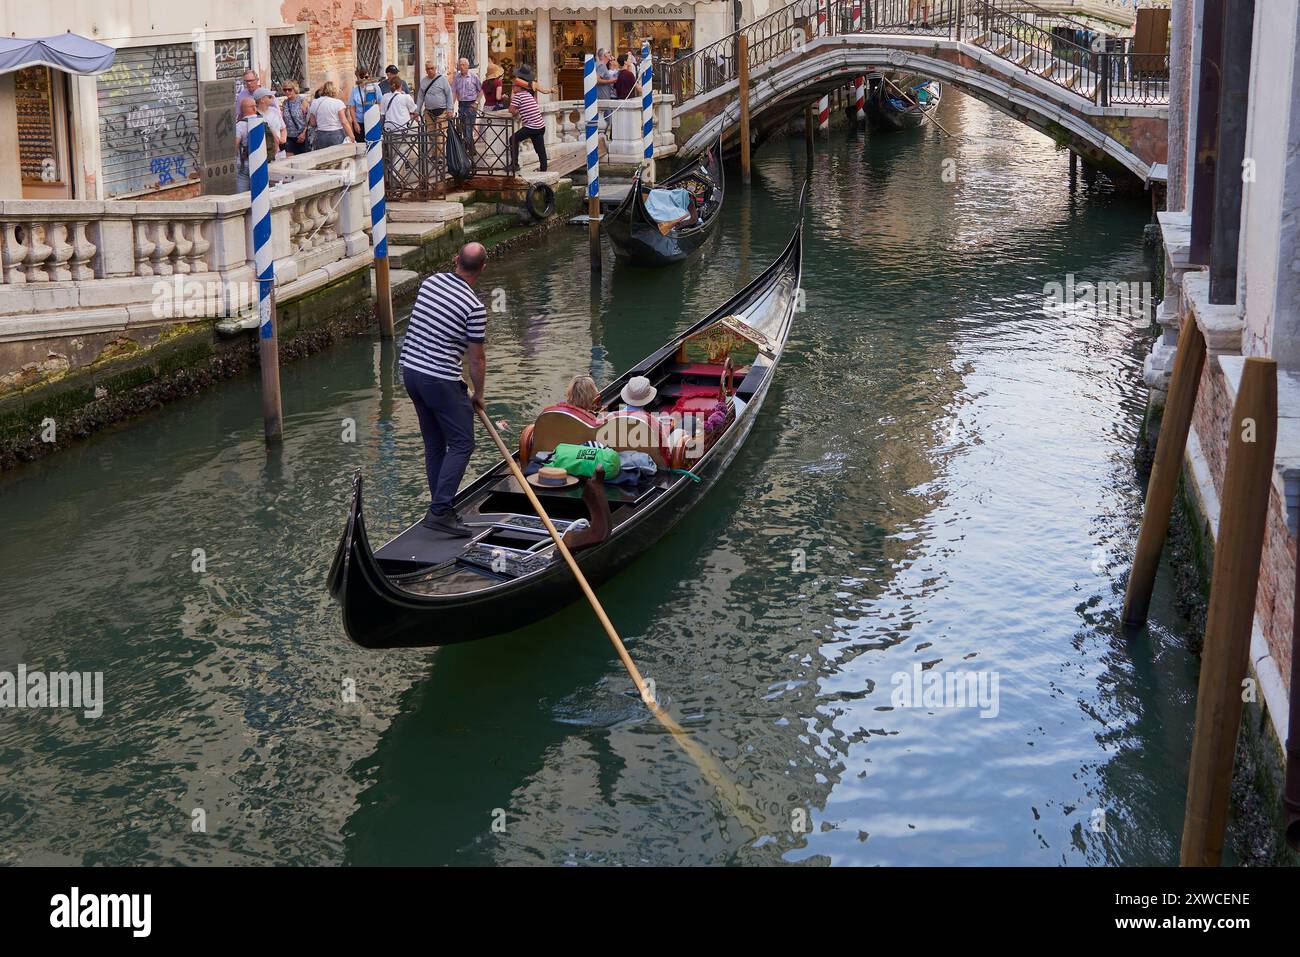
column 883, row 116
column 376, row 614
column 388, row 605
column 635, row 236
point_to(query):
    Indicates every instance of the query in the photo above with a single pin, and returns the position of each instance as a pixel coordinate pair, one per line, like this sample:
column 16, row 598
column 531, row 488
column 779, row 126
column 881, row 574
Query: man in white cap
column 637, row 394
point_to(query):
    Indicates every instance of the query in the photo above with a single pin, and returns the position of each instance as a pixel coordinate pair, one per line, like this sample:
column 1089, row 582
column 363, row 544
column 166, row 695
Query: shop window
column 571, row 40
column 669, row 39
column 512, row 42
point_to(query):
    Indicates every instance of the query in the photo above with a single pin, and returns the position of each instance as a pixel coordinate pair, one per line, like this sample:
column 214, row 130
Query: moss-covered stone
column 134, row 374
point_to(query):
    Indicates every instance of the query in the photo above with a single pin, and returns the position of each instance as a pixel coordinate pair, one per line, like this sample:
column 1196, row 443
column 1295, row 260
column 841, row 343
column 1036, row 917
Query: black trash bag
column 458, row 162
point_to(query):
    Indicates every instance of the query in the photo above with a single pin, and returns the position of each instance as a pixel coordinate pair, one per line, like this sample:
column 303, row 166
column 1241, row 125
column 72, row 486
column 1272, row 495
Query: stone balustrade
column 566, row 126
column 71, row 267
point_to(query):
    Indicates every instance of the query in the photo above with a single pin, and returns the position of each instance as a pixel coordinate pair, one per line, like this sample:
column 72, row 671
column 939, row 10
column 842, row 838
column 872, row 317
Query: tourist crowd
column 296, row 123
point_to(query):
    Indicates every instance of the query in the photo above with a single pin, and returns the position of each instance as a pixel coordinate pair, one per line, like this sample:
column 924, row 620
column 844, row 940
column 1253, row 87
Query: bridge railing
column 1051, row 45
column 1030, row 45
column 779, row 32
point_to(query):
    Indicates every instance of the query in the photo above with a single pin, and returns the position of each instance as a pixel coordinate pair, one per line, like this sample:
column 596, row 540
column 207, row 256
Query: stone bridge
column 1103, row 101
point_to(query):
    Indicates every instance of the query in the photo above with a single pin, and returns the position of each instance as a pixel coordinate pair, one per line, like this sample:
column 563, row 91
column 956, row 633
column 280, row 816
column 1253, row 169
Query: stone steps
column 430, row 211
column 415, row 233
column 398, row 255
column 483, row 228
column 401, row 282
column 475, row 212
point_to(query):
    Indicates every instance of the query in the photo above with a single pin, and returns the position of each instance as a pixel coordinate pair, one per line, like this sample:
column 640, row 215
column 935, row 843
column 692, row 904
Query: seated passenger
column 671, row 206
column 637, row 394
column 581, row 398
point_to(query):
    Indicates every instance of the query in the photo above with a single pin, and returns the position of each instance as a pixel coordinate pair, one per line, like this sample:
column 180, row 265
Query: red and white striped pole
column 859, row 82
column 824, row 104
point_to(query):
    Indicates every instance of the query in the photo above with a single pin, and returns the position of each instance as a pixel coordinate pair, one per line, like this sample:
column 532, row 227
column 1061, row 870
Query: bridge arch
column 1128, row 137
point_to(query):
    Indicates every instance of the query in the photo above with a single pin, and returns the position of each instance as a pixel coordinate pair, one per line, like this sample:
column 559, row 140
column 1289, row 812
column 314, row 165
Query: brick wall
column 330, row 27
column 1275, row 600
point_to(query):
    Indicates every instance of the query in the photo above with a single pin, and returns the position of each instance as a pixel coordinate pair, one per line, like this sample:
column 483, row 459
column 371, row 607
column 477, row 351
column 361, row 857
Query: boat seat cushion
column 706, row 369
column 685, row 390
column 696, row 404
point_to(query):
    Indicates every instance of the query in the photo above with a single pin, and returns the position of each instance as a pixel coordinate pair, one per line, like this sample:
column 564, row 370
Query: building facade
column 1257, row 309
column 133, row 132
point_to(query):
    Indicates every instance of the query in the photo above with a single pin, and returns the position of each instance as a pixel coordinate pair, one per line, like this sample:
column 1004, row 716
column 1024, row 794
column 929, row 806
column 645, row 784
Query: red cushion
column 696, row 404
column 690, row 391
column 702, row 368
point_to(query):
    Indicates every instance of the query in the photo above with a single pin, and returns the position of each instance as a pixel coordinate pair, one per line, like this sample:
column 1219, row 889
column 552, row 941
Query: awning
column 66, row 51
column 574, row 10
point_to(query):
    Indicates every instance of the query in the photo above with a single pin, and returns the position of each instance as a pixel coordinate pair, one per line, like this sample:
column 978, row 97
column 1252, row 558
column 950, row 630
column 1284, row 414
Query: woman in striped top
column 523, row 104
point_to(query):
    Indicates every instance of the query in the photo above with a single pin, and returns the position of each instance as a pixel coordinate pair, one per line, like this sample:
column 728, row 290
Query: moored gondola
column 423, row 589
column 903, row 104
column 640, row 240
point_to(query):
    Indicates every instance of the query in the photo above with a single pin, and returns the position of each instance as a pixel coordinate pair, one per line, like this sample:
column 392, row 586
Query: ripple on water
column 941, row 480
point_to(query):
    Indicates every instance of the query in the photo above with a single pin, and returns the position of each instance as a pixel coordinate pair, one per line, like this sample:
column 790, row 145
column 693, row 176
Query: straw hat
column 638, row 391
column 548, row 476
column 494, row 70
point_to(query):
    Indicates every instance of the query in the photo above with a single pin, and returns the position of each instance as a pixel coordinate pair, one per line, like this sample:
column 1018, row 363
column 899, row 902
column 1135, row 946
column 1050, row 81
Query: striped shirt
column 446, row 317
column 530, row 114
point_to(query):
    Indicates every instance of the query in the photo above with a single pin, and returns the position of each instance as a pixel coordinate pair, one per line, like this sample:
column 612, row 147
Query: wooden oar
column 710, row 768
column 917, row 103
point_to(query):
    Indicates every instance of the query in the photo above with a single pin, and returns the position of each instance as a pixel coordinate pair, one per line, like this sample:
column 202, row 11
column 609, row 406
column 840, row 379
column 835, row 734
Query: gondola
column 639, row 240
column 423, row 589
column 887, row 109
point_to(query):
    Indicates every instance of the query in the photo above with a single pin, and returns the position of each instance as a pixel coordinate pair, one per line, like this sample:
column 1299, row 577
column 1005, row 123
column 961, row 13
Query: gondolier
column 426, row 588
column 448, row 326
column 523, row 104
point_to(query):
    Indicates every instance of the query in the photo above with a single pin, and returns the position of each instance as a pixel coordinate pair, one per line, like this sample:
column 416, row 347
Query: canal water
column 941, row 483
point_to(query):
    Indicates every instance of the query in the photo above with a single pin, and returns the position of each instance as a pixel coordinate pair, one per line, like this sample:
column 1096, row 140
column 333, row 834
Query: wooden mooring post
column 1184, row 383
column 1243, row 517
column 742, row 57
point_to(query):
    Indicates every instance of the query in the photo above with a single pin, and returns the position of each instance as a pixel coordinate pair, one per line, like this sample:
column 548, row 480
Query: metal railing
column 490, row 144
column 415, row 162
column 1052, row 45
column 415, row 156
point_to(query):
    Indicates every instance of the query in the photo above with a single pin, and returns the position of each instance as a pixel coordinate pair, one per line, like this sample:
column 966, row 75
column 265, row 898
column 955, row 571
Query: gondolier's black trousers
column 539, row 143
column 447, row 424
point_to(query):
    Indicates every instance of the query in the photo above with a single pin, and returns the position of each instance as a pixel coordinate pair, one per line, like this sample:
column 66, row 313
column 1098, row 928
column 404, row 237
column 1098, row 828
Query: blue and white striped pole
column 593, row 157
column 378, row 212
column 648, row 110
column 264, row 267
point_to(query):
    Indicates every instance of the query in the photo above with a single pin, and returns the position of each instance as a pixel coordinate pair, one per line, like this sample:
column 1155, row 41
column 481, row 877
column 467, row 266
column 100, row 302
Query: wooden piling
column 742, row 56
column 1243, row 517
column 593, row 230
column 383, row 298
column 1163, row 484
column 269, row 360
column 808, row 126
